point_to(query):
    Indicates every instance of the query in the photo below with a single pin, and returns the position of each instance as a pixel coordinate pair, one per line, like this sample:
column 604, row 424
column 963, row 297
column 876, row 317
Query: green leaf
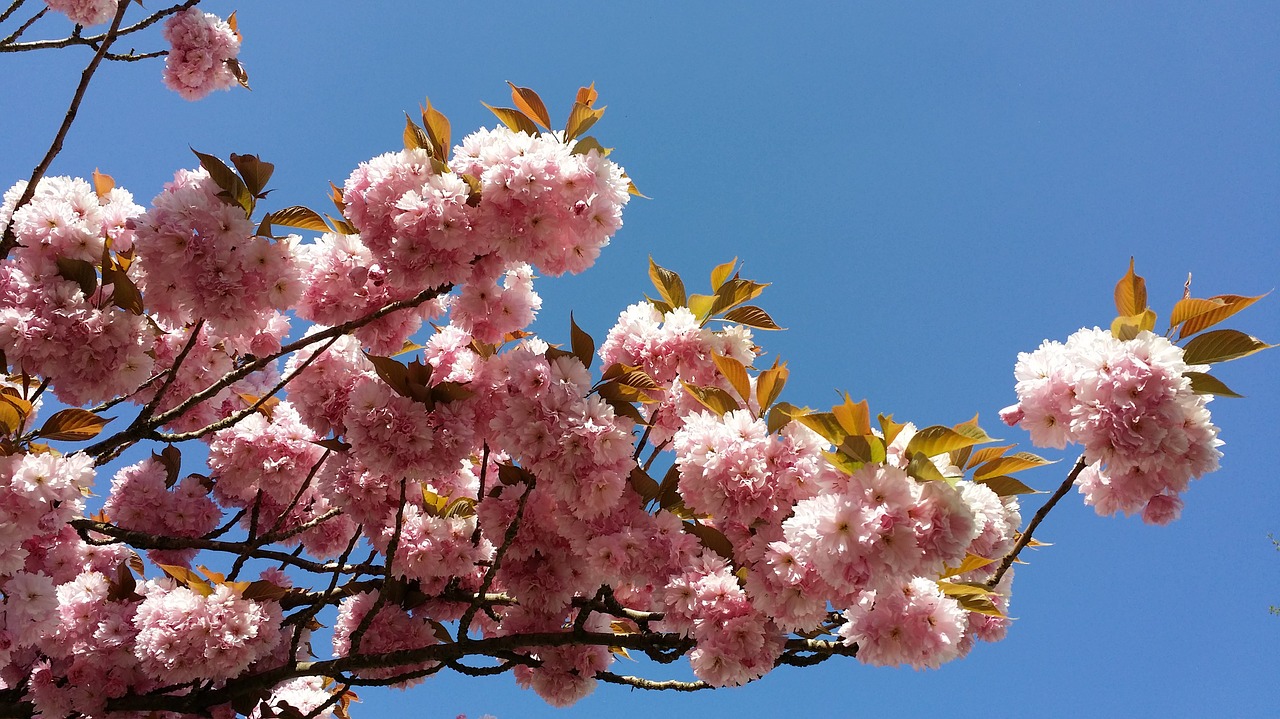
column 586, row 144
column 843, row 462
column 866, row 448
column 713, row 398
column 980, row 605
column 940, row 440
column 1006, row 486
column 1221, row 346
column 515, row 120
column 825, row 424
column 1131, row 293
column 923, row 469
column 1202, row 383
column 668, row 284
column 700, row 306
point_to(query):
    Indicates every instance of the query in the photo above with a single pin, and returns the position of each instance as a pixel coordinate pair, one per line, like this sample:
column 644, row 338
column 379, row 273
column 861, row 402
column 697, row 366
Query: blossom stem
column 1040, row 514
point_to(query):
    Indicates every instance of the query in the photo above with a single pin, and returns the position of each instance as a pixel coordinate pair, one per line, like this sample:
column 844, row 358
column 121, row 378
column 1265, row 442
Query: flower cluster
column 184, row 635
column 202, row 54
column 140, row 501
column 201, row 259
column 1129, row 403
column 56, row 319
column 85, row 12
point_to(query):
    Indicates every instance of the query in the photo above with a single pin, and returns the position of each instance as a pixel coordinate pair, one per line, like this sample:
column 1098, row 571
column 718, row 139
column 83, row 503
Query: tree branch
column 93, row 40
column 1036, row 520
column 10, row 239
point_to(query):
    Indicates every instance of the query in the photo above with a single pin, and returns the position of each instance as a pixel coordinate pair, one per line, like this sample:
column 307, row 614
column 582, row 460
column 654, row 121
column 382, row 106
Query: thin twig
column 18, row 33
column 1036, row 520
column 143, row 540
column 133, row 56
column 235, row 418
column 93, row 40
column 367, row 620
column 513, row 529
column 641, row 683
column 135, row 433
column 10, row 239
column 150, row 407
column 11, row 10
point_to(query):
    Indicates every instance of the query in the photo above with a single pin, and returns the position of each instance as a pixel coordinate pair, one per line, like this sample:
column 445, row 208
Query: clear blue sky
column 931, row 187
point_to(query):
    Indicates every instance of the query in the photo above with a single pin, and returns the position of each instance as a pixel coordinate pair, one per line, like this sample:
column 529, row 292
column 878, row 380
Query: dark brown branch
column 146, row 430
column 513, row 529
column 235, row 418
column 93, row 40
column 1036, row 520
column 142, row 540
column 10, row 239
column 22, row 28
column 641, row 683
column 9, row 11
column 133, row 56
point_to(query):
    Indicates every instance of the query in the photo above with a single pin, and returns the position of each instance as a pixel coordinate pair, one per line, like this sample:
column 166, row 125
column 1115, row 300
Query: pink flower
column 203, row 48
column 85, row 12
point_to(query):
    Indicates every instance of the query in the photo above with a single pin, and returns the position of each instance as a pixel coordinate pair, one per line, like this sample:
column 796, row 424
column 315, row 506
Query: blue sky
column 931, row 188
